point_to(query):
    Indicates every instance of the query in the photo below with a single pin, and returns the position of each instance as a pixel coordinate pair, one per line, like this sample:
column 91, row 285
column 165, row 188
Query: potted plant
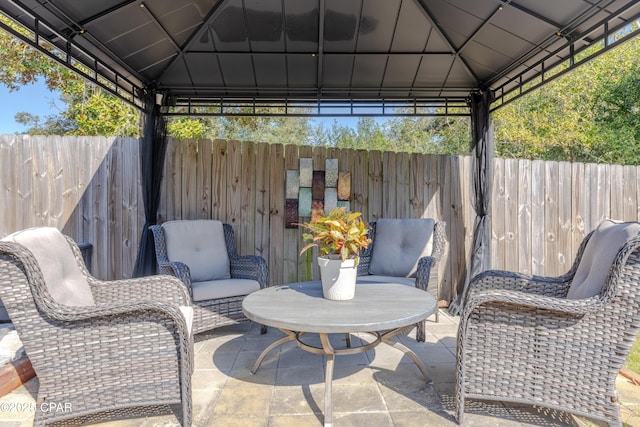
column 339, row 236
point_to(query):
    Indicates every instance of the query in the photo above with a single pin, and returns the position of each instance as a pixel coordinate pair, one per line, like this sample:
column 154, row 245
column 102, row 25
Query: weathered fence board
column 247, row 226
column 203, row 190
column 276, row 215
column 565, row 231
column 389, row 197
column 551, row 212
column 630, row 204
column 291, row 239
column 9, row 173
column 538, row 231
column 523, row 233
column 375, row 186
column 510, row 186
column 578, row 206
column 90, row 188
column 497, row 212
column 416, row 187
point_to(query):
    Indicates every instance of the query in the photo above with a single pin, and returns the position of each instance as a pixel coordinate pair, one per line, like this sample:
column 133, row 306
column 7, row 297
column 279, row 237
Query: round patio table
column 383, row 310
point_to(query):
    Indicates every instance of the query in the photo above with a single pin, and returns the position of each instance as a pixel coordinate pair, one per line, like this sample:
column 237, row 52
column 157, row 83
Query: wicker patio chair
column 99, row 349
column 554, row 342
column 202, row 254
column 407, row 251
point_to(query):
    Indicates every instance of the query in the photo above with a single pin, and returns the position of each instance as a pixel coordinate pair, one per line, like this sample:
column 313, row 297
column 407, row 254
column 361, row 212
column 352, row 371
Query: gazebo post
column 482, row 164
column 153, row 147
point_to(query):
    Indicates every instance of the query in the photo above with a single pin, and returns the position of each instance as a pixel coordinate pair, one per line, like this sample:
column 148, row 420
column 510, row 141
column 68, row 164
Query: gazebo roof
column 287, row 51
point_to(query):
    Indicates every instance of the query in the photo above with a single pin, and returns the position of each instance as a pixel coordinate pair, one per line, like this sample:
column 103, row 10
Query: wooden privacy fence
column 542, row 210
column 89, row 187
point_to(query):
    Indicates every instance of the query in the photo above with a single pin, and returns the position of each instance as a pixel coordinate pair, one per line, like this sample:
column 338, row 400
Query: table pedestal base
column 328, row 350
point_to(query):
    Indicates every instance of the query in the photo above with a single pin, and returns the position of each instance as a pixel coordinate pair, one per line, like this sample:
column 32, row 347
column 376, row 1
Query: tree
column 587, row 115
column 90, row 109
column 270, row 129
column 186, row 128
column 52, row 125
column 434, row 135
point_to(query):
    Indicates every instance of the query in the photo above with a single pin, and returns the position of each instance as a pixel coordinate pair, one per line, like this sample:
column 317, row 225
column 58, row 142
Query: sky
column 35, row 99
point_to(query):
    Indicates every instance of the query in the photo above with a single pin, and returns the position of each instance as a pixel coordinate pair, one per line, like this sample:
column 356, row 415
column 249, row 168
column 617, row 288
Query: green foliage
column 340, row 232
column 431, row 135
column 90, row 110
column 52, row 125
column 633, row 358
column 21, row 65
column 186, row 128
column 270, row 129
column 434, row 135
column 591, row 114
column 98, row 113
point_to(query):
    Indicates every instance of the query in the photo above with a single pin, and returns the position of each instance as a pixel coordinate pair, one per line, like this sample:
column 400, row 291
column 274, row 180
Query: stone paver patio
column 379, row 388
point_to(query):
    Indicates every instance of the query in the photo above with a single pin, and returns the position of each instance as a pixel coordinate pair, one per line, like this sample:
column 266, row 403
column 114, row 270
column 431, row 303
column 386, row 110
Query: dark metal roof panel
column 119, row 23
column 237, row 70
column 431, row 71
column 230, row 28
column 301, row 25
column 401, row 69
column 518, row 23
column 177, row 74
column 369, row 70
column 377, row 25
column 302, row 71
column 337, row 70
column 265, row 25
column 204, row 70
column 412, row 29
column 559, row 11
column 180, row 22
column 271, row 70
column 458, row 22
column 341, row 25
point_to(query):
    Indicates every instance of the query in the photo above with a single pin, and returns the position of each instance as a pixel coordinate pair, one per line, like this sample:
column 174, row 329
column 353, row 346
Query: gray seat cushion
column 399, row 244
column 62, row 275
column 201, row 246
column 597, row 259
column 224, row 288
column 409, row 281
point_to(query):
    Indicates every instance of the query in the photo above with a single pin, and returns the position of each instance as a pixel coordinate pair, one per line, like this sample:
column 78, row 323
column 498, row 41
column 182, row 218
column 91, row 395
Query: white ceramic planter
column 338, row 277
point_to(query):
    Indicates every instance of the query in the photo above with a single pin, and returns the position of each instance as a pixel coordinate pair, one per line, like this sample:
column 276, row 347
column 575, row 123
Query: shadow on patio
column 381, row 387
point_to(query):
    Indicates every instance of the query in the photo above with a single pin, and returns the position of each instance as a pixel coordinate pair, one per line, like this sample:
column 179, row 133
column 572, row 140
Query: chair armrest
column 137, row 316
column 160, row 288
column 423, row 273
column 508, row 280
column 522, row 301
column 146, row 310
column 177, row 269
column 250, row 267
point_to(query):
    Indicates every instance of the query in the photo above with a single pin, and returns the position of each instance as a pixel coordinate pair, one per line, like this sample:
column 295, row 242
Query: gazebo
column 316, row 57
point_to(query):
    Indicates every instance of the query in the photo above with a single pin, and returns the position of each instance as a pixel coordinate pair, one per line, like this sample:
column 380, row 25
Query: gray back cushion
column 399, row 244
column 597, row 259
column 200, row 245
column 62, row 275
